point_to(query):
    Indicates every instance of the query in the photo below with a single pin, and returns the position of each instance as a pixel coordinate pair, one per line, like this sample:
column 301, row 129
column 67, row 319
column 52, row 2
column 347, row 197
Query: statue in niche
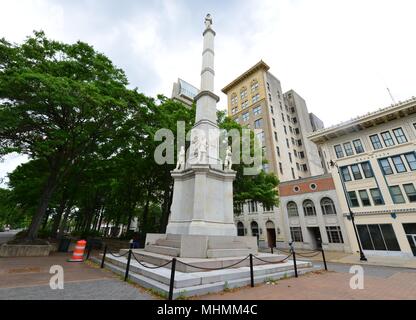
column 208, row 21
column 200, row 148
column 180, row 165
column 228, row 161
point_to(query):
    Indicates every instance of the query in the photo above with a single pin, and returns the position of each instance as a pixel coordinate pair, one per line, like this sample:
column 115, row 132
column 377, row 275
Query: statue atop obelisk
column 203, row 192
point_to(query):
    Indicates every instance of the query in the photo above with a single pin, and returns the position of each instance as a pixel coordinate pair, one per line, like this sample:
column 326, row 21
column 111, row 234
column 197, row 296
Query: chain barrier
column 143, row 265
column 212, row 269
column 273, row 262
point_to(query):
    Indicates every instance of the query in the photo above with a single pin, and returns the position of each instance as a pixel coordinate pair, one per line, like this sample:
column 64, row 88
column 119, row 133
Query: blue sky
column 339, row 55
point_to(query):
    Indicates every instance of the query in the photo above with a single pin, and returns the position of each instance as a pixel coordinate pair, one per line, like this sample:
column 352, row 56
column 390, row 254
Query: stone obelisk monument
column 203, row 190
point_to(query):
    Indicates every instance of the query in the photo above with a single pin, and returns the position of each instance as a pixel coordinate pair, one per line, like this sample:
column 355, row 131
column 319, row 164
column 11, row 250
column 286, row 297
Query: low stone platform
column 192, row 282
column 19, row 250
column 200, row 246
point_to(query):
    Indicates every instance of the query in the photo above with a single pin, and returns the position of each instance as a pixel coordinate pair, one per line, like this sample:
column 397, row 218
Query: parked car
column 6, row 228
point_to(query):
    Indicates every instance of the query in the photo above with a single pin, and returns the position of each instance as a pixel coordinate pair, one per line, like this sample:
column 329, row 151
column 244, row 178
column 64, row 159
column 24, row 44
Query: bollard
column 294, row 263
column 271, row 250
column 104, row 253
column 128, row 266
column 172, row 278
column 251, row 270
column 323, row 258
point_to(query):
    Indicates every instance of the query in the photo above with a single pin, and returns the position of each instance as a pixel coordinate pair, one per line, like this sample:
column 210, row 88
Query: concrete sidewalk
column 354, row 258
column 27, row 278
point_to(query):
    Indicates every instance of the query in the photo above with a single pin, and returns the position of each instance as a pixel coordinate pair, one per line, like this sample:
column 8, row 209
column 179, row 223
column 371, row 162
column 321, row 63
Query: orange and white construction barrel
column 78, row 254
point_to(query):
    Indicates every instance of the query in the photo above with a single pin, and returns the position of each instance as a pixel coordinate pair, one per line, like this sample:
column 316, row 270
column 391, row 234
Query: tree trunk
column 167, row 202
column 64, row 221
column 43, row 206
column 57, row 218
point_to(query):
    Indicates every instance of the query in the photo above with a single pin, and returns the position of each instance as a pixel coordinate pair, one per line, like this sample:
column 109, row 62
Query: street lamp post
column 362, row 256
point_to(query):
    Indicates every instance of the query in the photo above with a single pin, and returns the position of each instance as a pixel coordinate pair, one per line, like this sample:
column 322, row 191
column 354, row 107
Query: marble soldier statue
column 180, row 165
column 228, row 162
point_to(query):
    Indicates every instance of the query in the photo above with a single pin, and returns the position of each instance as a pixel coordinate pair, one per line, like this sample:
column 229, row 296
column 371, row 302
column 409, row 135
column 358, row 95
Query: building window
column 283, row 117
column 296, row 234
column 309, row 208
column 287, row 143
column 375, row 140
column 271, row 109
column 280, row 168
column 238, row 208
column 356, row 172
column 345, row 173
column 234, row 110
column 256, row 98
column 338, row 151
column 398, row 164
column 410, row 192
column 299, row 142
column 293, row 174
column 388, row 140
column 294, row 120
column 385, row 166
column 301, row 155
column 258, row 123
column 358, row 146
column 278, row 151
column 378, row 237
column 275, row 136
column 327, row 206
column 376, row 196
column 254, row 85
column 352, row 197
column 274, row 123
column 411, row 160
column 244, row 104
column 292, row 209
column 252, row 206
column 246, row 116
column 234, row 99
column 334, row 234
column 348, row 149
column 270, row 97
column 260, row 137
column 254, row 229
column 397, row 195
column 400, row 136
column 304, row 167
column 240, row 229
column 257, row 110
column 365, row 199
column 267, row 208
column 368, row 171
column 290, row 157
column 293, row 141
column 243, row 93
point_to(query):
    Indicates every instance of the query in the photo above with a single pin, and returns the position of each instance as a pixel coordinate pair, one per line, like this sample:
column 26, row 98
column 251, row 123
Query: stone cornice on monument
column 261, row 65
column 371, row 119
column 207, row 93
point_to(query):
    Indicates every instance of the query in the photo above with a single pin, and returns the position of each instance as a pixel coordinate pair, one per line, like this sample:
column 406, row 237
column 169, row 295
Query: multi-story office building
column 376, row 157
column 256, row 100
column 312, row 214
column 184, row 92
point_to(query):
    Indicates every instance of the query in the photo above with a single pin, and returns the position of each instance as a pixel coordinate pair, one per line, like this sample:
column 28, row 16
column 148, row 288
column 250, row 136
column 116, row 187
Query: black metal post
column 128, row 266
column 294, row 263
column 362, row 256
column 271, row 250
column 88, row 251
column 323, row 258
column 251, row 270
column 172, row 278
column 104, row 253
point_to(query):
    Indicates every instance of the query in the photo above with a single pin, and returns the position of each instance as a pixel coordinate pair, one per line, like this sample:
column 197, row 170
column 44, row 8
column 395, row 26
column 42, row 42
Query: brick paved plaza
column 28, row 278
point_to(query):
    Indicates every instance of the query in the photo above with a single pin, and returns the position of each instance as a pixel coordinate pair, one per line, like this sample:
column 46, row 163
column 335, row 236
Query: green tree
column 58, row 102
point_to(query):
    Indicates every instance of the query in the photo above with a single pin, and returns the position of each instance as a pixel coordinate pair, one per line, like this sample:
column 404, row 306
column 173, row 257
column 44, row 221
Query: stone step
column 228, row 245
column 173, row 237
column 169, row 251
column 222, row 253
column 169, row 243
column 186, row 286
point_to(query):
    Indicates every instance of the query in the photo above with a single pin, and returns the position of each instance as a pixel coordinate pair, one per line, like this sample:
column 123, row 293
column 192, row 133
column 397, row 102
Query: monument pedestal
column 202, row 202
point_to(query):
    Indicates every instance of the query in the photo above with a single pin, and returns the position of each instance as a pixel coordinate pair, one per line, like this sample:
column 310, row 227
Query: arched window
column 240, row 229
column 254, row 229
column 327, row 206
column 292, row 209
column 309, row 208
